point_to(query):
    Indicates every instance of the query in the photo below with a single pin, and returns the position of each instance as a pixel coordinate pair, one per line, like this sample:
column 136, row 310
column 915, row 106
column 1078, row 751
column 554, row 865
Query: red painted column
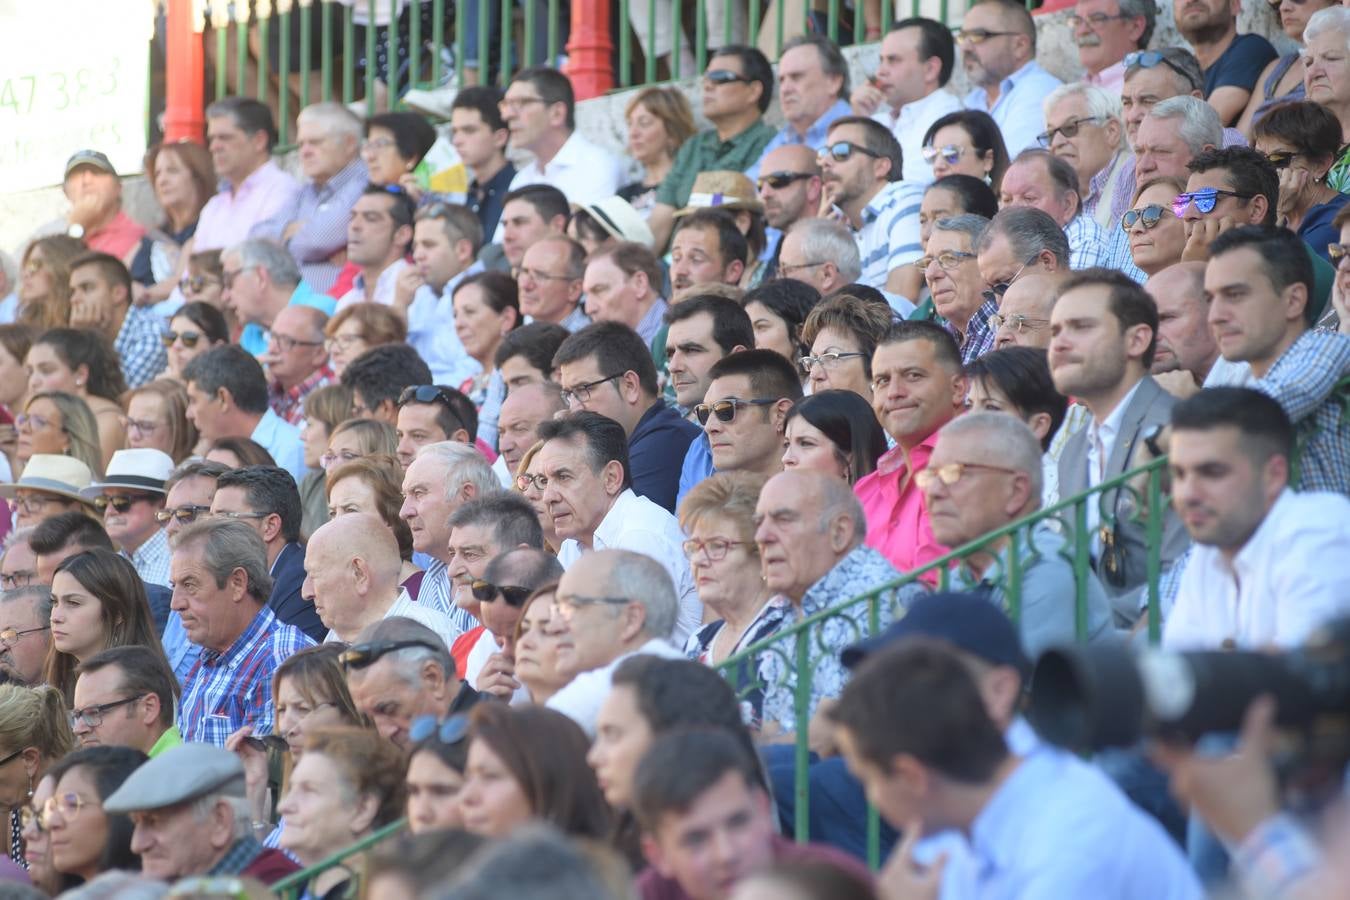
column 184, row 75
column 588, row 50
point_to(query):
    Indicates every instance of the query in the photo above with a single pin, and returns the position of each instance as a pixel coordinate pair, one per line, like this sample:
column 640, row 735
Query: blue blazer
column 288, row 574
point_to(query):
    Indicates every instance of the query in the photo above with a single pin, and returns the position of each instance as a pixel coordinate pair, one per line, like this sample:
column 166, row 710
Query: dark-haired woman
column 777, row 310
column 85, row 840
column 968, row 142
column 195, row 328
column 834, row 432
column 436, row 774
column 955, row 195
column 82, row 363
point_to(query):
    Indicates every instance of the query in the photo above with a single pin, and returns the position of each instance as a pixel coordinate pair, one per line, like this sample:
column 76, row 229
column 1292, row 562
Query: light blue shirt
column 814, row 137
column 1018, row 110
column 282, row 439
column 254, row 337
column 181, row 652
column 698, row 465
column 431, row 332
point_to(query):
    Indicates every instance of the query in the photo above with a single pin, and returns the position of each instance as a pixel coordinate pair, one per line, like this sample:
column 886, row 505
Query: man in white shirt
column 446, row 241
column 588, row 492
column 351, row 577
column 998, row 49
column 610, row 605
column 909, row 92
column 1260, row 574
column 378, row 234
column 540, row 111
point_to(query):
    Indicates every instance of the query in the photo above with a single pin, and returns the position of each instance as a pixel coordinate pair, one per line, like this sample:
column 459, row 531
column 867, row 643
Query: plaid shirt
column 151, row 559
column 236, row 859
column 1303, row 381
column 979, row 337
column 228, row 690
column 1091, row 245
column 139, row 347
column 290, row 404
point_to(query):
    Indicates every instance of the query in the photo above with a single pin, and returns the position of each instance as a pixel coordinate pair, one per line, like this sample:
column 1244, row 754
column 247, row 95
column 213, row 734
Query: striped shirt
column 438, row 593
column 889, row 236
column 323, row 212
column 227, row 690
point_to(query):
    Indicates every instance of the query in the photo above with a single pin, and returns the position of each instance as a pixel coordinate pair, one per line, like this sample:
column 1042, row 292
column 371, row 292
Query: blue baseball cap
column 965, row 619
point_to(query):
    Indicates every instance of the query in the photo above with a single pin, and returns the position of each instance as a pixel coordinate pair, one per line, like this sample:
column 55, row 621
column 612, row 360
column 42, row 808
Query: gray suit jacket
column 1150, row 407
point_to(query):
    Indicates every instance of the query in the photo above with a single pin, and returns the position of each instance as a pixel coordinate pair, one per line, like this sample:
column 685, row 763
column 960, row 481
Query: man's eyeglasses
column 514, row 104
column 715, row 548
column 980, row 35
column 947, row 260
column 842, row 151
column 196, row 283
column 950, row 153
column 92, row 716
column 1147, row 215
column 10, row 636
column 227, row 278
column 780, row 180
column 287, row 344
column 951, row 473
column 1016, row 322
column 450, row 732
column 120, row 504
column 375, row 145
column 724, row 76
column 361, row 656
column 329, row 458
column 827, row 361
column 725, row 410
column 1147, row 59
column 1096, row 20
column 566, row 605
column 16, row 579
column 997, row 290
column 185, row 515
column 1204, row 199
column 486, row 592
column 581, row 393
column 1069, row 129
column 189, row 338
column 1335, row 252
column 786, row 271
column 235, row 516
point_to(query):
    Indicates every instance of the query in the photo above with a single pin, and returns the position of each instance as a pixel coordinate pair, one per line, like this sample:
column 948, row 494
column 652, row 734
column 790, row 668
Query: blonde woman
column 156, row 416
column 44, row 285
column 356, row 438
column 34, row 734
column 58, row 422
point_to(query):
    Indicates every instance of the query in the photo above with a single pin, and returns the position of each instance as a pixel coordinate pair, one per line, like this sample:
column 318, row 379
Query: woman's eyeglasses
column 37, row 423
column 140, row 426
column 528, row 482
column 827, row 361
column 343, row 342
column 189, row 338
column 725, row 410
column 330, row 458
column 68, row 805
column 1147, row 215
column 715, row 548
column 950, row 153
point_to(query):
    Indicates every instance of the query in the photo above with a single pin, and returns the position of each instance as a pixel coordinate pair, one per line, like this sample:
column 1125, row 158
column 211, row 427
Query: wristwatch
column 76, row 230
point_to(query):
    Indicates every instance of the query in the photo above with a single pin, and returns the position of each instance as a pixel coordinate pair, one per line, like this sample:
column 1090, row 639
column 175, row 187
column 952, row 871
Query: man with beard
column 1231, row 62
column 998, row 49
column 789, row 187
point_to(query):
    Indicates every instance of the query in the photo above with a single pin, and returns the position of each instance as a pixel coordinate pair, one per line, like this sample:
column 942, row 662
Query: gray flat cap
column 177, row 776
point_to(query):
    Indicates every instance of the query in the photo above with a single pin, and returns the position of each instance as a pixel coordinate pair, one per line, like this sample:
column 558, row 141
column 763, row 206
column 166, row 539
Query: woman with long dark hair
column 83, row 839
column 835, row 432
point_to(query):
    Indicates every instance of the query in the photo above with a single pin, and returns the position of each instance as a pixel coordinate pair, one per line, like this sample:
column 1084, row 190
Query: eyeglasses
column 525, row 481
column 227, row 278
column 450, row 732
column 997, row 290
column 1147, row 59
column 780, row 180
column 1335, row 252
column 31, row 817
column 947, row 260
column 951, row 473
column 268, row 743
column 141, row 426
column 725, row 410
column 36, row 503
column 1069, row 129
column 715, row 548
column 566, row 605
column 196, row 283
column 362, row 656
column 1017, row 322
column 17, row 578
column 950, row 154
column 980, row 35
column 92, row 716
column 10, row 636
column 329, row 457
column 581, row 393
column 724, row 76
column 486, row 592
column 1149, row 216
column 514, row 104
column 235, row 516
column 120, row 503
column 842, row 151
column 287, row 344
column 189, row 338
column 1204, row 199
column 829, row 360
column 1096, row 20
column 68, row 805
column 37, row 422
column 784, row 271
column 375, row 145
column 1280, row 159
column 185, row 515
column 536, row 275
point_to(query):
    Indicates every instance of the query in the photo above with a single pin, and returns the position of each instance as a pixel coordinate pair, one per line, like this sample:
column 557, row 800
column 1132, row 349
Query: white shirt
column 1229, row 374
column 583, row 171
column 636, row 523
column 499, row 468
column 1101, row 441
column 384, row 287
column 580, row 700
column 431, row 332
column 911, row 123
column 1282, row 584
column 479, row 654
column 404, row 606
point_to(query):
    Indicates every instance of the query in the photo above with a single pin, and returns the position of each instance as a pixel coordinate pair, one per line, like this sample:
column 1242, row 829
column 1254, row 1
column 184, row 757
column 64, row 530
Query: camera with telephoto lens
column 1088, row 699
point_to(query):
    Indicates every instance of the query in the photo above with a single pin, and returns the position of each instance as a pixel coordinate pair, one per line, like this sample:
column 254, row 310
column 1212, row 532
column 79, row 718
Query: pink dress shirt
column 229, row 216
column 897, row 519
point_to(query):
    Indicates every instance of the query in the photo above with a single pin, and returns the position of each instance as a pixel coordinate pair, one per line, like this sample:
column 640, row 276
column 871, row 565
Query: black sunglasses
column 185, row 515
column 120, row 503
column 425, row 393
column 725, row 410
column 361, row 656
column 780, row 180
column 486, row 592
column 450, row 732
column 724, row 76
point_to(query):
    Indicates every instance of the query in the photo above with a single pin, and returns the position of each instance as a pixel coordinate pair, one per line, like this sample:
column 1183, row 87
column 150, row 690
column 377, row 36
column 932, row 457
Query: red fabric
column 652, row 885
column 119, row 237
column 346, row 278
column 463, row 646
column 270, row 867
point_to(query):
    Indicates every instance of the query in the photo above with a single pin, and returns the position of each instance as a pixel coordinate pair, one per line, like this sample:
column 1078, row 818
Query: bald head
column 807, row 522
column 301, row 317
column 522, row 411
column 1185, row 341
column 518, row 573
column 1030, row 298
column 351, row 572
column 799, row 198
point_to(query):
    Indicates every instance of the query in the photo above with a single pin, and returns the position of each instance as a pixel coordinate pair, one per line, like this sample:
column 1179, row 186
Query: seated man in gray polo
column 191, row 817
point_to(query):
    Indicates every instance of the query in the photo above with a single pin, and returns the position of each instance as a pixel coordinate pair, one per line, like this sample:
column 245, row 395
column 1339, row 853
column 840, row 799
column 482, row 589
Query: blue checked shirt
column 323, row 212
column 151, row 559
column 139, row 346
column 1302, row 381
column 889, row 236
column 226, row 691
column 979, row 337
column 1091, row 245
column 437, row 593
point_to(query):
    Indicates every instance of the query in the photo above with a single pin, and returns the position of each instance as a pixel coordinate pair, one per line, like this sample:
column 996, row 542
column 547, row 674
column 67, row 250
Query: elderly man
column 446, row 241
column 25, row 630
column 507, row 582
column 985, row 473
column 821, row 253
column 810, row 535
column 191, row 817
column 522, row 411
column 539, row 110
column 351, row 577
column 96, row 215
column 1186, row 349
column 623, row 284
column 124, row 697
column 441, row 478
column 296, row 360
column 590, row 497
column 1083, row 127
column 550, row 279
column 220, row 588
column 260, row 280
column 1107, row 30
column 399, row 671
column 190, row 488
column 1023, row 317
column 707, row 248
column 313, row 227
column 610, row 605
column 100, row 301
column 240, row 133
column 1042, row 181
column 1020, row 241
column 379, row 233
column 812, row 92
column 998, row 48
column 50, row 485
column 1171, row 135
column 607, row 368
column 952, row 271
column 129, row 496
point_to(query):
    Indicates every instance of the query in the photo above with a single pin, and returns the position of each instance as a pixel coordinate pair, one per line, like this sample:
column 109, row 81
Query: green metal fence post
column 264, row 75
column 306, row 51
column 284, row 73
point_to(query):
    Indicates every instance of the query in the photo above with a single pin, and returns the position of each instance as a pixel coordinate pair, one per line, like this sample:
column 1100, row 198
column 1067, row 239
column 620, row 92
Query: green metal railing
column 798, row 650
column 290, row 887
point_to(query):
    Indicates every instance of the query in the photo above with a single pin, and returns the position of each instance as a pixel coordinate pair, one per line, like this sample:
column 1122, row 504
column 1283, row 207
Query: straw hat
column 725, row 190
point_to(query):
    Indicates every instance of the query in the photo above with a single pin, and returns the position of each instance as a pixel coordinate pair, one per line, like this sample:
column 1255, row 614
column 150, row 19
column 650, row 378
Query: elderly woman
column 1282, row 79
column 1326, row 78
column 957, row 288
column 842, row 331
column 1301, row 140
column 1156, row 235
column 357, row 328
